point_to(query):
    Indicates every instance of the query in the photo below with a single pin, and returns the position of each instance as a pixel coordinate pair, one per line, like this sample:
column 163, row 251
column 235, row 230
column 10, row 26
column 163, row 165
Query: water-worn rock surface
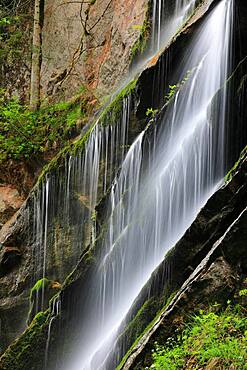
column 93, row 48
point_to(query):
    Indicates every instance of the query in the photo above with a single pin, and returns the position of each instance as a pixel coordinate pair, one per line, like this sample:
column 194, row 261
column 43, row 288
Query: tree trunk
column 36, row 56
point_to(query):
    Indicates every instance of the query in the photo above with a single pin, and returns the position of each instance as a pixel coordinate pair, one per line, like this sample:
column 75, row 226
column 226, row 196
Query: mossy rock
column 41, row 294
column 27, row 352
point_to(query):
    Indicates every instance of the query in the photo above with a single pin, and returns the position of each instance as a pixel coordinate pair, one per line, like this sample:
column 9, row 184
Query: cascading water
column 168, row 17
column 164, row 181
column 87, row 175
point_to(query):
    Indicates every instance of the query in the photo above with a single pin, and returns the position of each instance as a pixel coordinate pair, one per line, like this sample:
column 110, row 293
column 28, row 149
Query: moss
column 235, row 168
column 40, row 284
column 113, row 110
column 153, row 308
column 141, row 44
column 25, row 352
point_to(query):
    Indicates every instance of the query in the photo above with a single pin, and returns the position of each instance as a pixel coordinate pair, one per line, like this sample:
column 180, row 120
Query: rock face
column 88, row 44
column 10, row 202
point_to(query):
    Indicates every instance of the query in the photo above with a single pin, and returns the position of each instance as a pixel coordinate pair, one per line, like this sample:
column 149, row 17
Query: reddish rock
column 10, row 202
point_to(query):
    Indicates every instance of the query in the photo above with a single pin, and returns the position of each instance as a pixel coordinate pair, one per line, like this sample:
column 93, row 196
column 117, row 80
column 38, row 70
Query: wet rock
column 9, row 259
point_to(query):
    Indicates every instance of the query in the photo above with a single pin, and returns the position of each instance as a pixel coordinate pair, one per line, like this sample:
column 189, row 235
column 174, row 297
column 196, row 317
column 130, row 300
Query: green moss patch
column 27, row 352
column 143, row 321
column 234, row 169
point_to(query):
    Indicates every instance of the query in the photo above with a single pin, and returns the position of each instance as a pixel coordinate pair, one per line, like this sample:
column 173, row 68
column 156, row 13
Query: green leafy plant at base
column 220, row 338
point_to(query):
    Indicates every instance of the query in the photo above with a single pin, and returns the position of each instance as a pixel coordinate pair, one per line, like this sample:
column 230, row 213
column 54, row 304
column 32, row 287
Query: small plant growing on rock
column 151, row 112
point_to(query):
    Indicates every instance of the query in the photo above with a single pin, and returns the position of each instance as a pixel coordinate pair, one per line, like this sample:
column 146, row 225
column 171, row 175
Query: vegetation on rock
column 141, row 43
column 41, row 294
column 215, row 340
column 24, row 133
column 33, row 342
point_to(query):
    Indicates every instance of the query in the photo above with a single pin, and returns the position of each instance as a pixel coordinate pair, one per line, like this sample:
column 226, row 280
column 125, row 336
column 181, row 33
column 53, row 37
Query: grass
column 216, row 339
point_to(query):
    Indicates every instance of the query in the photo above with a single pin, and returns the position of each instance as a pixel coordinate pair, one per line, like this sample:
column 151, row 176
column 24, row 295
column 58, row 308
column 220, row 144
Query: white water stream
column 163, row 183
column 168, row 17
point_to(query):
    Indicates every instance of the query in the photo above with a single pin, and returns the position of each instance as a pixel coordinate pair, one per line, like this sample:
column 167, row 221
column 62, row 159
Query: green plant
column 174, row 88
column 243, row 293
column 24, row 133
column 210, row 336
column 151, row 112
column 11, row 39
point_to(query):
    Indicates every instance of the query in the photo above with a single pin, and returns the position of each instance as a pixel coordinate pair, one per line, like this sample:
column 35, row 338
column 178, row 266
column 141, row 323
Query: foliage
column 24, row 133
column 174, row 88
column 151, row 112
column 12, row 39
column 219, row 337
column 243, row 293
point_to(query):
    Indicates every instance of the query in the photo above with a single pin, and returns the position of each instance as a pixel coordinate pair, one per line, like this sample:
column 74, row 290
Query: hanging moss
column 40, row 295
column 40, row 284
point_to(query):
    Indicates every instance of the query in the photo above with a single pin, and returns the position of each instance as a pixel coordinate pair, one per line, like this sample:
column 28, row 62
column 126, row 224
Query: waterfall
column 166, row 177
column 58, row 230
column 168, row 17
